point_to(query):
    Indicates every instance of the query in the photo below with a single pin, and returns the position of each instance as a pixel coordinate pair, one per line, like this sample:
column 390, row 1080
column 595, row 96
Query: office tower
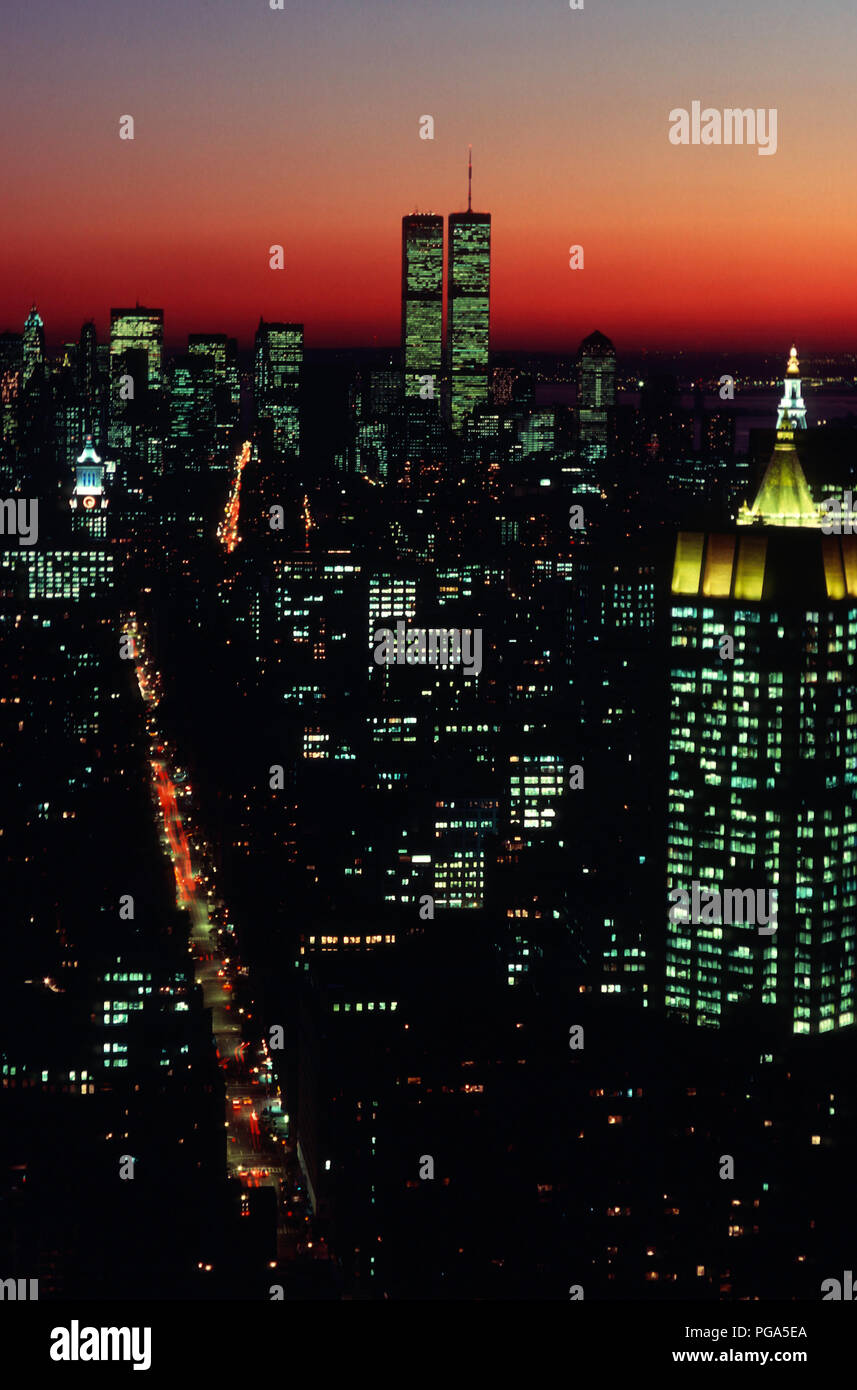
column 792, row 410
column 385, row 391
column 87, row 360
column 221, row 356
column 596, row 387
column 537, row 433
column 191, row 405
column 763, row 765
column 468, row 309
column 277, row 380
column 138, row 329
column 422, row 301
column 70, row 417
column 34, row 344
column 11, row 373
column 89, row 383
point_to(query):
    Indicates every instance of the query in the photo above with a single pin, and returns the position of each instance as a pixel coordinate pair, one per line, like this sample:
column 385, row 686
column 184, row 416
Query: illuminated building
column 58, row 574
column 422, row 300
column 87, row 361
column 138, row 330
column 191, row 404
column 596, row 377
column 468, row 310
column 11, row 374
column 34, row 344
column 763, row 760
column 538, row 432
column 219, row 356
column 390, row 598
column 277, row 379
column 792, row 411
column 535, row 783
column 87, row 501
column 459, row 859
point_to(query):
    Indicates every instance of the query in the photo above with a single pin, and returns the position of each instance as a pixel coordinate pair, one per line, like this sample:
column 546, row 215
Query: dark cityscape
column 430, row 817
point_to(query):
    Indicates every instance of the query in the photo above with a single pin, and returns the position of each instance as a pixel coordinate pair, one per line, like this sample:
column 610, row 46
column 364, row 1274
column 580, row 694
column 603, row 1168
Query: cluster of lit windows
column 120, row 1009
column 730, row 725
column 329, row 942
column 535, row 782
column 314, row 744
column 63, row 574
column 370, row 1007
column 460, row 882
column 301, row 693
column 395, row 727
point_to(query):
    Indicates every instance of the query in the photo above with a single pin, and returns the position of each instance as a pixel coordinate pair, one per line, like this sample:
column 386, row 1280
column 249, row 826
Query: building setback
column 763, row 759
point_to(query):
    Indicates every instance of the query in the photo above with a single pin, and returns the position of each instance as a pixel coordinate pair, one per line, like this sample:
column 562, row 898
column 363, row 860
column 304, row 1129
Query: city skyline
column 428, row 671
column 681, row 244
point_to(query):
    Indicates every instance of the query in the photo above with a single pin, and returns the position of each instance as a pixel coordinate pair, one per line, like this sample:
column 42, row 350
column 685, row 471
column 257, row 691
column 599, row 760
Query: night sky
column 300, row 127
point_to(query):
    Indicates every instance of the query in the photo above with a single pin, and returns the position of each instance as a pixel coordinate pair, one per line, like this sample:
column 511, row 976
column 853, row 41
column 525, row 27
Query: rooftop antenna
column 469, row 178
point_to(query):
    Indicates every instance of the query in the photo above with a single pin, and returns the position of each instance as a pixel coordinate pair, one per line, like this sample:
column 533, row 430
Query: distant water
column 753, row 409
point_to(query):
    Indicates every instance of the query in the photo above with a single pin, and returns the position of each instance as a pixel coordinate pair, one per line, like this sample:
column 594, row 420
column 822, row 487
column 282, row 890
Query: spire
column 792, row 411
column 469, row 178
column 784, row 498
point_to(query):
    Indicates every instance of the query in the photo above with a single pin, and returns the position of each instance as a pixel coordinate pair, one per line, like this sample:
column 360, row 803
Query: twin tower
column 465, row 378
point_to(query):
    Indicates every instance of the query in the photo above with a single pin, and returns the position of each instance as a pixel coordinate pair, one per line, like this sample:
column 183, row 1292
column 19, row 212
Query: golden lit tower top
column 784, row 498
column 792, row 411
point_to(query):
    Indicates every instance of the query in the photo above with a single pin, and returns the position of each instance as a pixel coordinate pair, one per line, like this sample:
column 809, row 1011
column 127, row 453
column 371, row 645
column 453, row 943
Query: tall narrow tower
column 422, row 301
column 468, row 308
column 763, row 764
column 596, row 388
column 34, row 344
column 792, row 411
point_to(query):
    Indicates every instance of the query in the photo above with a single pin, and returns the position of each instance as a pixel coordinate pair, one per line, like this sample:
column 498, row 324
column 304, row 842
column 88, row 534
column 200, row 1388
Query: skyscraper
column 138, row 329
column 221, row 355
column 763, row 765
column 34, row 344
column 596, row 378
column 277, row 380
column 87, row 361
column 468, row 309
column 422, row 300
